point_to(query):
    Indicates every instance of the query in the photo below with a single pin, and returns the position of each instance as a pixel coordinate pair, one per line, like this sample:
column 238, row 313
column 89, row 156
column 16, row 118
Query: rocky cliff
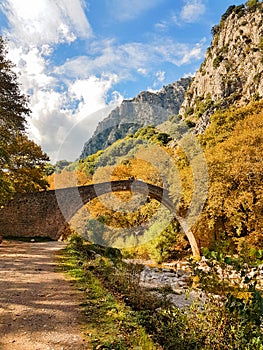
column 232, row 72
column 148, row 108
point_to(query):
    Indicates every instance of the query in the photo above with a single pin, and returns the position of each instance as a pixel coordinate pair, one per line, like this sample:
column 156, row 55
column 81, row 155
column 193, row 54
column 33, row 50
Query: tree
column 235, row 199
column 21, row 160
column 26, row 168
column 171, row 243
column 228, row 12
column 252, row 4
column 13, row 104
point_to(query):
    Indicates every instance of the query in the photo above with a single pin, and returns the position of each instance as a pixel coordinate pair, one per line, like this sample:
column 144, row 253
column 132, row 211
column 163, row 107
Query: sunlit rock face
column 232, row 72
column 148, row 108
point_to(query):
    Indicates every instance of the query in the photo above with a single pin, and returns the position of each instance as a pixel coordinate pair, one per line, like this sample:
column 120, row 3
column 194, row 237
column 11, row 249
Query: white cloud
column 54, row 121
column 180, row 54
column 142, row 71
column 73, row 113
column 125, row 10
column 160, row 75
column 120, row 60
column 75, row 133
column 164, row 25
column 125, row 60
column 159, row 78
column 192, row 10
column 91, row 93
column 45, row 21
column 154, row 91
column 32, row 68
column 35, row 28
column 190, row 74
column 69, row 100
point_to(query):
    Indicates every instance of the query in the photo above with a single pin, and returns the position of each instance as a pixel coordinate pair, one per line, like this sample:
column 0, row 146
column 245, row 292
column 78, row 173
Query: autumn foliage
column 232, row 146
column 234, row 209
column 22, row 162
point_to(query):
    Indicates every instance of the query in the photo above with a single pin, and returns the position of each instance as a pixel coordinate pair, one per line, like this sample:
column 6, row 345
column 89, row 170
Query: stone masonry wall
column 47, row 213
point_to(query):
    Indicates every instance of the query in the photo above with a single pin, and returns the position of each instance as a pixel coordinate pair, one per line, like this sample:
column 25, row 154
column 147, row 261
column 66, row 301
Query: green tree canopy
column 22, row 162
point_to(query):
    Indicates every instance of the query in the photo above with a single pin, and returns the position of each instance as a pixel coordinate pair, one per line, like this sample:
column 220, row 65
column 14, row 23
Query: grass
column 109, row 323
column 120, row 314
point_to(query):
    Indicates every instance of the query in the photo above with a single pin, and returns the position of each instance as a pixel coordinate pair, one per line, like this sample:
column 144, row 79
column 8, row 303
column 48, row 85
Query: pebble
column 177, row 280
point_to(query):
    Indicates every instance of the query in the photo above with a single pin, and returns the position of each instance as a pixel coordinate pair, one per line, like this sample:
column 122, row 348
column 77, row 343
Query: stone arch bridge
column 47, row 213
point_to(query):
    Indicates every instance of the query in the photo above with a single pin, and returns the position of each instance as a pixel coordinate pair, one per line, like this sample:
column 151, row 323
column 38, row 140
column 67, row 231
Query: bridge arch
column 47, row 213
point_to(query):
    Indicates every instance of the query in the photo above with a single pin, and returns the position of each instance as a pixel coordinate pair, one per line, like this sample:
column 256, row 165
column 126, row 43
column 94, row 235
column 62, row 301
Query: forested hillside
column 148, row 108
column 233, row 146
column 230, row 140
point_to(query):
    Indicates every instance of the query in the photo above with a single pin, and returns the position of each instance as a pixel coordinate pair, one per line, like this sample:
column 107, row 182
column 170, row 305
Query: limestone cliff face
column 232, row 72
column 148, row 108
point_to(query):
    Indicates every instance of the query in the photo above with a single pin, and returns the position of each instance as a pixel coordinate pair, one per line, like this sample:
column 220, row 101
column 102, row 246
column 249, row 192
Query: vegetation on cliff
column 231, row 73
column 147, row 108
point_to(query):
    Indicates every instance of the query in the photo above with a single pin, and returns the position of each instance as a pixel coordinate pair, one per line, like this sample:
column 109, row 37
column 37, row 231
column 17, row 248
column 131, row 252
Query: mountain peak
column 147, row 108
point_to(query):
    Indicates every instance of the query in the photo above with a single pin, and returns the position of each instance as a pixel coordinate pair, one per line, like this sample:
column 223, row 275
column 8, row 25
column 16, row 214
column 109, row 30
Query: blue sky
column 77, row 59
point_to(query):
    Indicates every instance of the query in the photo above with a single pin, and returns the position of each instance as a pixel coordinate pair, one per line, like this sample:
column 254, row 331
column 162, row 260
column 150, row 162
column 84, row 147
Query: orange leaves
column 25, row 168
column 235, row 165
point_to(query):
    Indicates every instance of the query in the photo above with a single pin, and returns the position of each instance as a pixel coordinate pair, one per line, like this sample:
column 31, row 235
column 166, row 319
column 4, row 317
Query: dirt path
column 38, row 306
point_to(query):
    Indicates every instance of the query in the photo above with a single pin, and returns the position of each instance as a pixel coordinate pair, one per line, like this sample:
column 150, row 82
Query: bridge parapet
column 47, row 213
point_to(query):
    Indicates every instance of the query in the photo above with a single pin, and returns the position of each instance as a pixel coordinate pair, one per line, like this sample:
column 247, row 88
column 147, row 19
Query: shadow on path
column 39, row 309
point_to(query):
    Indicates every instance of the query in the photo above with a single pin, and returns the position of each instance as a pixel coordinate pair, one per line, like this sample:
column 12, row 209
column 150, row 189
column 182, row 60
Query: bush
column 171, row 244
column 228, row 12
column 227, row 323
column 217, row 61
column 240, row 10
column 190, row 124
column 252, row 4
column 215, row 30
column 241, row 302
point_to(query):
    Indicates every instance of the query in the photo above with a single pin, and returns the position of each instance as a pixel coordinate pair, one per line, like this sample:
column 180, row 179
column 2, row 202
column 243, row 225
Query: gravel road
column 39, row 308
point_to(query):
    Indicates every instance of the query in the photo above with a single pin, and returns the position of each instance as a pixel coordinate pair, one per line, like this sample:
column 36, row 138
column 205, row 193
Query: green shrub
column 231, row 322
column 215, row 30
column 228, row 12
column 217, row 61
column 171, row 244
column 260, row 44
column 189, row 111
column 190, row 124
column 240, row 10
column 252, row 4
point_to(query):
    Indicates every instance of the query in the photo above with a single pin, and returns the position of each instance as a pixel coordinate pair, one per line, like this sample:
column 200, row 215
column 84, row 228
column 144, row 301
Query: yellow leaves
column 64, row 179
column 235, row 167
column 121, row 171
column 83, row 178
column 25, row 168
column 134, row 167
column 223, row 122
column 68, row 178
